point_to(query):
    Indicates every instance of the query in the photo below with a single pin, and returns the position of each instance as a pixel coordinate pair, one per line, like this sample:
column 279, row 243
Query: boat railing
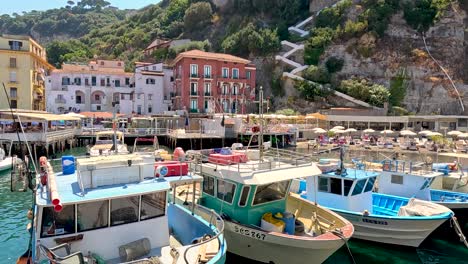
column 408, row 167
column 214, row 219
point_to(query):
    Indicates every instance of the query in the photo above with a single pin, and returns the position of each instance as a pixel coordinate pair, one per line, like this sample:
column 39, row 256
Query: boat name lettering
column 249, row 233
column 377, row 222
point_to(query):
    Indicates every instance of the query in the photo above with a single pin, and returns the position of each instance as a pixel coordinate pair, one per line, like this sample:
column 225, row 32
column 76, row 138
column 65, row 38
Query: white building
column 152, row 87
column 89, row 87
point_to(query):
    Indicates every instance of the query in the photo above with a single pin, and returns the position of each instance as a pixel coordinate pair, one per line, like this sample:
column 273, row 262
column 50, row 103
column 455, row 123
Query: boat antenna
column 114, row 127
column 342, row 170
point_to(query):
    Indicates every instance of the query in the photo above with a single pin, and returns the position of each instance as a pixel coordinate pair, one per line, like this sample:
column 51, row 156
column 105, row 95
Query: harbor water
column 14, row 237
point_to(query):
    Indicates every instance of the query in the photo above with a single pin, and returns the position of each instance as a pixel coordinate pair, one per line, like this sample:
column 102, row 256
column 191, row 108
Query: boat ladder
column 458, row 230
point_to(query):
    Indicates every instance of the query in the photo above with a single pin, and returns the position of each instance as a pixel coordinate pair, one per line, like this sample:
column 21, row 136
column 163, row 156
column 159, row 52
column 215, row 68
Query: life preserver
column 255, row 129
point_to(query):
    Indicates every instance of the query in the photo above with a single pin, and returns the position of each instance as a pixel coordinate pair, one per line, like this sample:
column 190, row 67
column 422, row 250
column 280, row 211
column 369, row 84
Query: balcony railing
column 193, row 75
column 207, row 93
column 207, row 76
column 193, row 93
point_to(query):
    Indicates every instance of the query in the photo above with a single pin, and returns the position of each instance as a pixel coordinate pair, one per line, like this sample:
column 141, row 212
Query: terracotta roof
column 210, row 56
column 157, row 42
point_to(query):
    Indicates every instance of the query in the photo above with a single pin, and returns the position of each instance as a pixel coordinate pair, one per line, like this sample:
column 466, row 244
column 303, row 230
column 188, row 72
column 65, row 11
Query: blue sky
column 9, row 7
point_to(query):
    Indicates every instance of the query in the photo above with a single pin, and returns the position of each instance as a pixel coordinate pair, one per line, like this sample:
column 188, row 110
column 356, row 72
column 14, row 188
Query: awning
column 318, row 116
column 103, row 115
column 7, row 115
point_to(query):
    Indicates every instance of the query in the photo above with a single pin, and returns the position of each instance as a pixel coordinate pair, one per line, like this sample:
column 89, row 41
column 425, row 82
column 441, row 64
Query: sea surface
column 14, row 237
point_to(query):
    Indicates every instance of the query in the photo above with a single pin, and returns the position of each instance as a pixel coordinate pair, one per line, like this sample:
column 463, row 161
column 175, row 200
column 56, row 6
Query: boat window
column 370, row 184
column 93, row 215
column 427, row 183
column 208, row 185
column 61, row 223
column 359, row 187
column 397, row 179
column 347, row 186
column 153, row 205
column 124, row 210
column 244, row 195
column 226, row 191
column 323, row 184
column 270, row 192
column 335, row 186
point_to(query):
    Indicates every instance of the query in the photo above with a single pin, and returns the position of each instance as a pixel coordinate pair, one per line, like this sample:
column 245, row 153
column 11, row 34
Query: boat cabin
column 351, row 191
column 107, row 137
column 245, row 191
column 407, row 179
column 115, row 207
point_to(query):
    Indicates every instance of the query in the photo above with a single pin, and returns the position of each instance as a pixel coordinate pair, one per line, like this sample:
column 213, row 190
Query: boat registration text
column 249, row 232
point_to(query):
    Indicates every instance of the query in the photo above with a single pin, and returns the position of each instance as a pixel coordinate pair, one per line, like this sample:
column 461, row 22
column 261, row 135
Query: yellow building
column 23, row 66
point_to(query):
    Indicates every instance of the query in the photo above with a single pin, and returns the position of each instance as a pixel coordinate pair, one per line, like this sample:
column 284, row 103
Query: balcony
column 194, row 75
column 207, row 94
column 193, row 110
column 60, row 101
column 193, row 93
column 207, row 76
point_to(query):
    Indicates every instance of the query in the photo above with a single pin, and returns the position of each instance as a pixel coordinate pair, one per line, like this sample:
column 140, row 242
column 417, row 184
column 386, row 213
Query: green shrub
column 309, row 90
column 315, row 45
column 378, row 14
column 317, row 74
column 334, row 64
column 366, row 91
column 197, row 16
column 250, row 40
column 422, row 14
column 353, row 29
column 286, row 111
column 333, row 17
column 398, row 85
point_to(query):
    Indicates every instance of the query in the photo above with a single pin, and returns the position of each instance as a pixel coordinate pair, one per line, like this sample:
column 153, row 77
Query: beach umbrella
column 424, row 132
column 454, row 133
column 369, row 130
column 407, row 133
column 339, row 131
column 433, row 134
column 386, row 131
column 463, row 135
column 350, row 130
column 319, row 130
column 338, row 128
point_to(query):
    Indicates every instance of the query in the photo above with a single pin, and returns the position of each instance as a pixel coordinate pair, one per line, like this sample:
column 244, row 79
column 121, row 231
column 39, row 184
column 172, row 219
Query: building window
column 207, row 89
column 235, row 73
column 193, row 88
column 103, row 82
column 138, row 96
column 193, row 70
column 150, row 81
column 124, row 210
column 13, row 92
column 14, row 104
column 65, row 81
column 97, row 97
column 154, row 68
column 139, row 109
column 248, row 75
column 270, row 192
column 15, row 45
column 77, row 81
column 93, row 80
column 225, row 90
column 462, row 122
column 117, row 83
column 98, row 108
column 234, row 106
column 226, row 191
column 235, row 90
column 225, row 73
column 207, row 70
column 207, row 103
column 93, row 215
column 122, row 96
column 78, row 99
column 225, row 106
column 153, row 205
column 150, row 97
column 397, row 179
column 13, row 77
column 58, row 223
column 12, row 62
column 107, row 81
column 193, row 104
column 150, row 109
column 127, row 81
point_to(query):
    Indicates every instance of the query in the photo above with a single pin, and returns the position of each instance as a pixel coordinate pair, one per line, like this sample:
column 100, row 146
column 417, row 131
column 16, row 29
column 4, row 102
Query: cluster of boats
column 272, row 206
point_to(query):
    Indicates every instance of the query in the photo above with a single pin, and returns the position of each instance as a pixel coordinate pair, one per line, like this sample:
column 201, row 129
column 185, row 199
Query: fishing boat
column 107, row 143
column 408, row 179
column 113, row 209
column 263, row 220
column 7, row 161
column 376, row 217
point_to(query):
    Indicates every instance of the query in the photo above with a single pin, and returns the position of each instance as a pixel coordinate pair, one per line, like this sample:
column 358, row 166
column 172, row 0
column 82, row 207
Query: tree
column 250, row 40
column 420, row 14
column 197, row 16
column 366, row 91
column 398, row 85
column 334, row 64
column 317, row 74
column 309, row 90
column 315, row 45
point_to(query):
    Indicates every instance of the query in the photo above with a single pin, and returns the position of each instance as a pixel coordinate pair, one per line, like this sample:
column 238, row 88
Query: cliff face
column 429, row 90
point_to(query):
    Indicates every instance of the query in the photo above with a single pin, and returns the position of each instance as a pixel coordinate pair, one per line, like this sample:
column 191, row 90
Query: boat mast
column 114, row 127
column 260, row 112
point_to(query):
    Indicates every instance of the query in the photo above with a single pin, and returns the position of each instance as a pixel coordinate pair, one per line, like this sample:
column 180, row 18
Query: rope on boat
column 339, row 233
column 458, row 230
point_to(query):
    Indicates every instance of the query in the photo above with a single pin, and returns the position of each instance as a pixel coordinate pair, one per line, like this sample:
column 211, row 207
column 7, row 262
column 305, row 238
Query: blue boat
column 113, row 209
column 376, row 217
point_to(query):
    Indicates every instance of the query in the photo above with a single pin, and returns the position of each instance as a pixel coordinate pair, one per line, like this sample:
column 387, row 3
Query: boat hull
column 391, row 230
column 272, row 247
column 6, row 164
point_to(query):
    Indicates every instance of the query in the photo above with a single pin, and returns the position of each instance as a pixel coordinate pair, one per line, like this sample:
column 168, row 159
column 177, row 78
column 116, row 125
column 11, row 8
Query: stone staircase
column 298, row 67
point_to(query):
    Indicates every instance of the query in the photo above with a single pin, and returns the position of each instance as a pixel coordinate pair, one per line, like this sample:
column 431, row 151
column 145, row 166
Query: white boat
column 114, row 210
column 105, row 144
column 7, row 161
column 376, row 217
column 252, row 193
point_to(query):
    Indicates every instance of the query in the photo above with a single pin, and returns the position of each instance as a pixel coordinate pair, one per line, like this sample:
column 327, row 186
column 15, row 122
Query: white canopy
column 338, row 128
column 349, row 130
column 369, row 130
column 424, row 132
column 454, row 133
column 433, row 134
column 339, row 131
column 387, row 131
column 463, row 135
column 407, row 133
column 319, row 130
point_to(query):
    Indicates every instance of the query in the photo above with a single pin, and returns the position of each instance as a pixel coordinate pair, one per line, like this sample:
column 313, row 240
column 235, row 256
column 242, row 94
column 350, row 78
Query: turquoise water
column 14, row 238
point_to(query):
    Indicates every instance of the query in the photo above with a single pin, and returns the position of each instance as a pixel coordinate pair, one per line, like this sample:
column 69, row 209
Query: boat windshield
column 270, row 192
